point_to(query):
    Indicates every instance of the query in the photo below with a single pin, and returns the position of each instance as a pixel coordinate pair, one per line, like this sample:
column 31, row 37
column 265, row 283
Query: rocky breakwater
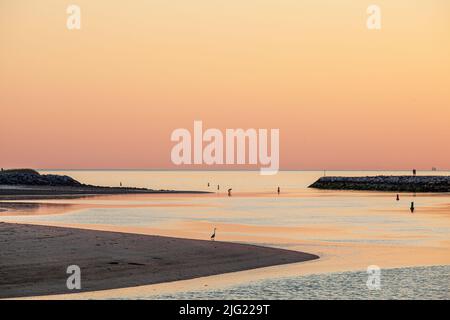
column 386, row 183
column 31, row 177
column 30, row 184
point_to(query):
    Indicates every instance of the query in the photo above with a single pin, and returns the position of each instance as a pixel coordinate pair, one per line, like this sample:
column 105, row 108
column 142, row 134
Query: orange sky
column 109, row 95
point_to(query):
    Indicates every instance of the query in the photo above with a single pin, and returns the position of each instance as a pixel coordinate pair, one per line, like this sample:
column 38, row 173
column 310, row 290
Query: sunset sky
column 110, row 95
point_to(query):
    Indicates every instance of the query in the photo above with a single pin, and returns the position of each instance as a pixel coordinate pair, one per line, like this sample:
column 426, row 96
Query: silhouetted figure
column 229, row 192
column 120, row 183
column 213, row 236
column 218, row 187
column 278, row 190
column 2, row 169
column 414, row 172
column 412, row 207
column 398, row 197
column 208, row 184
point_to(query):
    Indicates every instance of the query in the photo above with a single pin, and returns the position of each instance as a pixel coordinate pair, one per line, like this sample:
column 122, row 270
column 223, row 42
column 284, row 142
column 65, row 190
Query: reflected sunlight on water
column 348, row 230
column 400, row 283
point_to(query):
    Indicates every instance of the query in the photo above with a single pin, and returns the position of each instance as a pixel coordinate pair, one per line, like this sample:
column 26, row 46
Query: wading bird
column 213, row 236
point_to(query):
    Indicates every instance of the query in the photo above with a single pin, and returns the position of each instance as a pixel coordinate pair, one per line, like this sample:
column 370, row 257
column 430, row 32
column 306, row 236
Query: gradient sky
column 109, row 95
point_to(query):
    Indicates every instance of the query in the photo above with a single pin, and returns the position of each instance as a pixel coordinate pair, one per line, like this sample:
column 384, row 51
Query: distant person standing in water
column 412, row 207
column 414, row 172
column 208, row 184
column 229, row 192
column 278, row 190
column 398, row 197
column 218, row 187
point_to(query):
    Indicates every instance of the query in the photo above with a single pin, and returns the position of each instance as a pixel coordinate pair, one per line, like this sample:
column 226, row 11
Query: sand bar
column 34, row 259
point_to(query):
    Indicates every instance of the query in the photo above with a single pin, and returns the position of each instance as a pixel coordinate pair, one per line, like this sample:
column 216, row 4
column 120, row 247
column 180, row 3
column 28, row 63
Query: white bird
column 213, row 236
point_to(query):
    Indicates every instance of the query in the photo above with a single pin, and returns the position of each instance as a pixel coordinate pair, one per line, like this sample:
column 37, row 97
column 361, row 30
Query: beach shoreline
column 68, row 192
column 34, row 259
column 29, row 184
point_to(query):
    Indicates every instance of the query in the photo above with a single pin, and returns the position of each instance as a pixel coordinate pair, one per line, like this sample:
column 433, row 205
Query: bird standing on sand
column 398, row 197
column 229, row 192
column 412, row 207
column 278, row 190
column 213, row 236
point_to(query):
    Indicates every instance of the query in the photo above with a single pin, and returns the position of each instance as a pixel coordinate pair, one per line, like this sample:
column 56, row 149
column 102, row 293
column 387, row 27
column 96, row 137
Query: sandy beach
column 34, row 259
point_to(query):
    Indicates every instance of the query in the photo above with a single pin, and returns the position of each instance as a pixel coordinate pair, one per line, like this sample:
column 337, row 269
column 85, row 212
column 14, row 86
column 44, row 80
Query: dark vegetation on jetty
column 386, row 183
column 28, row 182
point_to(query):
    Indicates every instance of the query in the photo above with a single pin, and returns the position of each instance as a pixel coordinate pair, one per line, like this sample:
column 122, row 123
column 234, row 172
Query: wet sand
column 34, row 259
column 19, row 192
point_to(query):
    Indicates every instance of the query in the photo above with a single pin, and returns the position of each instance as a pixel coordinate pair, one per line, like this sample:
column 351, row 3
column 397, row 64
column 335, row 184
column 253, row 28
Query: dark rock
column 51, row 185
column 33, row 178
column 386, row 183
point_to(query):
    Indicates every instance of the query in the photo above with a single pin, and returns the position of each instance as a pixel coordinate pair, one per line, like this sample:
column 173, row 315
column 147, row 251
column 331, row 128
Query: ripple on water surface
column 399, row 283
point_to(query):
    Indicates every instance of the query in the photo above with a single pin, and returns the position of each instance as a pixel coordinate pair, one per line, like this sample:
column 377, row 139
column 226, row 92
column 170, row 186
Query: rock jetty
column 386, row 183
column 31, row 177
column 30, row 184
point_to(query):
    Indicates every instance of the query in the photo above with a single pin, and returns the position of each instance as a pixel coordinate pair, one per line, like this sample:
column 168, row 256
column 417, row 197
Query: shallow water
column 348, row 230
column 399, row 283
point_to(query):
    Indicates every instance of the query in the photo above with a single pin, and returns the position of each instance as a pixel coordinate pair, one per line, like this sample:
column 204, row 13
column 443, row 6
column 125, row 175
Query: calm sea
column 348, row 230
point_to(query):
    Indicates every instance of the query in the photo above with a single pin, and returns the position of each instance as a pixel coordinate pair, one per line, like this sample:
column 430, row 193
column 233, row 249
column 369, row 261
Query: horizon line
column 199, row 169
